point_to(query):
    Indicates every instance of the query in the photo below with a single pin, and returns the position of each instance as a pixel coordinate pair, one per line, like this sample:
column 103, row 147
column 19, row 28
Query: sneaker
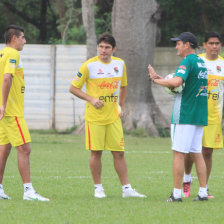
column 186, row 189
column 210, row 196
column 31, row 195
column 99, row 193
column 4, row 196
column 198, row 198
column 173, row 199
column 132, row 193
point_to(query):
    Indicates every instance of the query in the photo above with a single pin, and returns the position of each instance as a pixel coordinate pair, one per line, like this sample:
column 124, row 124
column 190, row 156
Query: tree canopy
column 60, row 21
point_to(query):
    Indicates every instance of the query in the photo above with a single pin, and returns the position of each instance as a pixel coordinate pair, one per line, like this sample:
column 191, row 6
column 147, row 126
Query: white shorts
column 186, row 138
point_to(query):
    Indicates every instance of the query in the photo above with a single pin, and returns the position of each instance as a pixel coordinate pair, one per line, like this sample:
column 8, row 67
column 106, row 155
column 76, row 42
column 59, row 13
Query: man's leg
column 207, row 154
column 202, row 175
column 121, row 167
column 23, row 152
column 96, row 166
column 178, row 172
column 188, row 163
column 178, row 168
column 96, row 169
column 122, row 171
column 4, row 153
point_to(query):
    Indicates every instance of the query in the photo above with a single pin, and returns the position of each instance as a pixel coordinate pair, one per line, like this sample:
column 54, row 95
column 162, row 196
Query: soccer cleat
column 99, row 193
column 198, row 198
column 4, row 196
column 173, row 199
column 128, row 193
column 31, row 195
column 186, row 189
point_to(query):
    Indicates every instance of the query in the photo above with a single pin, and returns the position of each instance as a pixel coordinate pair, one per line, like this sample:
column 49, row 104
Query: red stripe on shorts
column 20, row 130
column 89, row 138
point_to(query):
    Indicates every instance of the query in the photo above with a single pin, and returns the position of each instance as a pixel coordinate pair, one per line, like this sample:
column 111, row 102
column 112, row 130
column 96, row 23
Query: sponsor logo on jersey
column 218, row 139
column 122, row 142
column 100, row 72
column 12, row 61
column 201, row 65
column 109, row 85
column 202, row 91
column 116, row 69
column 213, row 94
column 183, row 67
column 110, row 99
column 213, row 82
column 181, row 71
column 218, row 68
column 1, row 55
column 79, row 74
column 202, row 75
column 22, row 89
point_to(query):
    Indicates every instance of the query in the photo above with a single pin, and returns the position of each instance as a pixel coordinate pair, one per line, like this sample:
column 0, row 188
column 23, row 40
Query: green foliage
column 76, row 35
column 28, row 15
column 198, row 17
column 60, row 171
column 163, row 132
column 102, row 22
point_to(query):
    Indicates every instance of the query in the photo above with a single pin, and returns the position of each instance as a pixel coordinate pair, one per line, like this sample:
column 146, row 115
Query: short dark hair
column 107, row 38
column 212, row 34
column 12, row 30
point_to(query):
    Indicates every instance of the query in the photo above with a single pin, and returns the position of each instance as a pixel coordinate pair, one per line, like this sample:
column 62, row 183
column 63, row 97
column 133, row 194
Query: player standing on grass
column 13, row 128
column 190, row 112
column 212, row 136
column 106, row 83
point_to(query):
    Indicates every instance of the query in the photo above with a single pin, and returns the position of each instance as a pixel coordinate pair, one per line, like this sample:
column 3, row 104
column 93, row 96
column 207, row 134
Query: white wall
column 49, row 71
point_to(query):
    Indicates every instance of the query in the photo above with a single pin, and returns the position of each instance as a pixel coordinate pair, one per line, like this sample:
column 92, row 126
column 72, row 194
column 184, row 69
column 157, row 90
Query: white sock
column 202, row 192
column 1, row 186
column 126, row 187
column 28, row 186
column 206, row 187
column 187, row 177
column 100, row 186
column 177, row 193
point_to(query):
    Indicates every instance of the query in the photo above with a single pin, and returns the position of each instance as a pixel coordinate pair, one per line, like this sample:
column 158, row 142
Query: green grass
column 60, row 171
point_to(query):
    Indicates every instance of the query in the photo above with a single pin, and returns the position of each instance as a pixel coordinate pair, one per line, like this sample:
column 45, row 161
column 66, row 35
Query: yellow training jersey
column 103, row 81
column 215, row 88
column 10, row 63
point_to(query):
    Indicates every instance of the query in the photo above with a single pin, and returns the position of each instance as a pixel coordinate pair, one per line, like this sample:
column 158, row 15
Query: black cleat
column 173, row 199
column 198, row 198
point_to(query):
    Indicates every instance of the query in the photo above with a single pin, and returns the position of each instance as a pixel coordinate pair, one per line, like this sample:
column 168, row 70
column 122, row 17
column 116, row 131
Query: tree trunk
column 89, row 25
column 134, row 25
column 61, row 12
column 43, row 26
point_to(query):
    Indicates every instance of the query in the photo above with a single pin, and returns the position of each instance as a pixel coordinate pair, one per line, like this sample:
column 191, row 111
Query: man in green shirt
column 190, row 112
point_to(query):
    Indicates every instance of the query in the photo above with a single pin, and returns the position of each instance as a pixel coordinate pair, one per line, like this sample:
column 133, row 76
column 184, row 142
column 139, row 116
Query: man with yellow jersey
column 106, row 83
column 13, row 128
column 212, row 136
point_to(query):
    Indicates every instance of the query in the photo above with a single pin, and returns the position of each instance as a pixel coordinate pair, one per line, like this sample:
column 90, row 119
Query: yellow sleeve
column 124, row 81
column 81, row 76
column 11, row 62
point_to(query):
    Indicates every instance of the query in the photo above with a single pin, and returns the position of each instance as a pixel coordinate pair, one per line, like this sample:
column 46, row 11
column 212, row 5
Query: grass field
column 59, row 167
